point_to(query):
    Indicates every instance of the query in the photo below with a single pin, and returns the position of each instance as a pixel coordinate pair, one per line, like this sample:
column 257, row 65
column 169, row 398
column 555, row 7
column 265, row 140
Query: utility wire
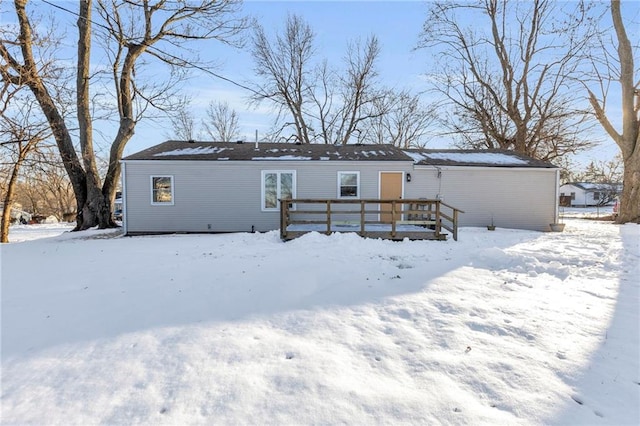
column 161, row 52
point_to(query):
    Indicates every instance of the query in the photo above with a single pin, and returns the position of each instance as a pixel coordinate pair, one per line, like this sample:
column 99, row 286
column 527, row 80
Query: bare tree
column 509, row 87
column 400, row 119
column 318, row 102
column 221, row 123
column 183, row 124
column 45, row 188
column 285, row 68
column 22, row 132
column 619, row 66
column 357, row 92
column 135, row 32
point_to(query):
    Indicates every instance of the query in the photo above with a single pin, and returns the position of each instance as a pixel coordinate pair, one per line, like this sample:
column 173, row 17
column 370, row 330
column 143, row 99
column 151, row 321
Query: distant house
column 585, row 194
column 234, row 187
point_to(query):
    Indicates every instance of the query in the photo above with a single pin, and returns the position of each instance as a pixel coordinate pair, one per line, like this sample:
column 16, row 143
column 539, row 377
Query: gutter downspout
column 557, row 197
column 123, row 176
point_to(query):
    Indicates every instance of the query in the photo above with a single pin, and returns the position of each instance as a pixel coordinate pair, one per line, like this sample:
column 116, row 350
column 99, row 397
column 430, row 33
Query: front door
column 390, row 189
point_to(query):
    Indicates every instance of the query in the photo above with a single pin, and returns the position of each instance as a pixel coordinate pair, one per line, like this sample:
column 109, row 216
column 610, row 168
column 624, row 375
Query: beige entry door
column 390, row 189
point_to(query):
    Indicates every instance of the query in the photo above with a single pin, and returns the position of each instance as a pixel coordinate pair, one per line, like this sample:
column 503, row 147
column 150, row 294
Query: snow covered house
column 179, row 186
column 585, row 194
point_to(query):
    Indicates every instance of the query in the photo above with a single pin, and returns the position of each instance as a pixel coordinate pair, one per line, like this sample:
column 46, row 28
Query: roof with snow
column 595, row 186
column 236, row 151
column 484, row 158
column 246, row 151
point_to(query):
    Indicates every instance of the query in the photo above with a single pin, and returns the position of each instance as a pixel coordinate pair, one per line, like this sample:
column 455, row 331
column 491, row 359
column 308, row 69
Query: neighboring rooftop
column 460, row 157
column 235, row 151
column 595, row 186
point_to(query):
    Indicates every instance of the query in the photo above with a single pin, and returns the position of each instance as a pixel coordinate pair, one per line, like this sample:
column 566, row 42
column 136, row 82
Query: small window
column 573, row 195
column 348, row 184
column 596, row 196
column 277, row 185
column 162, row 190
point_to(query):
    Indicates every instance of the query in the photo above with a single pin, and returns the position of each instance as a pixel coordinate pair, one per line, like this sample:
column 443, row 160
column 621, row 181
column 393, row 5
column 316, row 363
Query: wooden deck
column 414, row 219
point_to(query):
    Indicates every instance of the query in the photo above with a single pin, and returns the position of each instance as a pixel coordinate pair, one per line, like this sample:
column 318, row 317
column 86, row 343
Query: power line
column 163, row 53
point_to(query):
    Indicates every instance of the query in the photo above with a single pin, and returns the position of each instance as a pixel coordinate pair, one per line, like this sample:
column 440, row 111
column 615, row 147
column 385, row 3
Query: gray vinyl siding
column 516, row 198
column 219, row 196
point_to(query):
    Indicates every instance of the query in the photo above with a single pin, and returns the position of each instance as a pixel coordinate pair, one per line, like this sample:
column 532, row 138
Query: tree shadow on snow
column 66, row 290
column 608, row 389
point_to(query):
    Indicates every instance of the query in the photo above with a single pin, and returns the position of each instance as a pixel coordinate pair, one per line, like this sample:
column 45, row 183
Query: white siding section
column 515, row 198
column 219, row 196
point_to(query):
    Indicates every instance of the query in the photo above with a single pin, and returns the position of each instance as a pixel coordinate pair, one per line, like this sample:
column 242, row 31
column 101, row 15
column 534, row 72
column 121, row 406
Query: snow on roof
column 596, row 186
column 284, row 157
column 487, row 158
column 267, row 151
column 199, row 150
column 211, row 151
column 472, row 157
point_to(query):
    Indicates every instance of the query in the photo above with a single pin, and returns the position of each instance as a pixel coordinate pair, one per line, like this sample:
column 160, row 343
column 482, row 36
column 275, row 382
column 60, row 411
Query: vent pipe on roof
column 256, row 139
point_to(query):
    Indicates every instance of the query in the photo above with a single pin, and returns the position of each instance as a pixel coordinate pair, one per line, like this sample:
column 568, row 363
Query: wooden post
column 328, row 217
column 455, row 224
column 362, row 209
column 284, row 215
column 438, row 219
column 393, row 218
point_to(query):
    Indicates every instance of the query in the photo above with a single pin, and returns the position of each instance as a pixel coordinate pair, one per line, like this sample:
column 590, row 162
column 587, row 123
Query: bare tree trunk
column 8, row 201
column 630, row 199
column 629, row 139
column 96, row 211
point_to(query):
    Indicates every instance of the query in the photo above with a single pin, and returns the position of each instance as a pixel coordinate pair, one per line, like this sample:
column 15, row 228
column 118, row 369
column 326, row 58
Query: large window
column 348, row 184
column 162, row 190
column 277, row 185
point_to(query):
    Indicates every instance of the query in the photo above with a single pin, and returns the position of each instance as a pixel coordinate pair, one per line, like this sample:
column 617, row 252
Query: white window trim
column 340, row 173
column 173, row 194
column 294, row 185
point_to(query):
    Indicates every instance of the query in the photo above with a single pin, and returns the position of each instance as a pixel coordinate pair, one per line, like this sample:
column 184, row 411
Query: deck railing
column 391, row 219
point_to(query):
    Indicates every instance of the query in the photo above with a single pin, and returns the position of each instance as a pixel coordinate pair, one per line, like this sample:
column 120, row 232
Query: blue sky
column 397, row 24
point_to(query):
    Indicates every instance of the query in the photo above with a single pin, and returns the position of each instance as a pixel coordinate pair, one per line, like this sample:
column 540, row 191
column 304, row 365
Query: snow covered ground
column 502, row 327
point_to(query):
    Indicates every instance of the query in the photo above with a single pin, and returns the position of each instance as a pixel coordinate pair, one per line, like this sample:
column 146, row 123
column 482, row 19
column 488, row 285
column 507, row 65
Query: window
column 348, row 184
column 162, row 190
column 573, row 195
column 596, row 196
column 276, row 185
